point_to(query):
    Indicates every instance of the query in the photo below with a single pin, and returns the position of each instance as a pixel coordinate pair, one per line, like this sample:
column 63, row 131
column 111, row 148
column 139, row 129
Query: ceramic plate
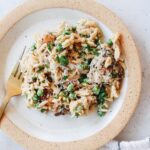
column 34, row 129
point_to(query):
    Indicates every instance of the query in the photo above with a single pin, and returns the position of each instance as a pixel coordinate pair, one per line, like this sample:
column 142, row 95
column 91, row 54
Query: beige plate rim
column 132, row 61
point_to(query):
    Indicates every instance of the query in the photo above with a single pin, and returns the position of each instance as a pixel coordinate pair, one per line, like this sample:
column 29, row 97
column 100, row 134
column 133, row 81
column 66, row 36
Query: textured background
column 136, row 16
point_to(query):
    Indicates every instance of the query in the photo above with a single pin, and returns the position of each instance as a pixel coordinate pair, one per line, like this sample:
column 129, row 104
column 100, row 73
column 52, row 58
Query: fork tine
column 16, row 68
column 20, row 74
column 22, row 53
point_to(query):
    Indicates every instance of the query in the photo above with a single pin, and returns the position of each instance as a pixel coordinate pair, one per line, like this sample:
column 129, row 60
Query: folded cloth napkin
column 133, row 145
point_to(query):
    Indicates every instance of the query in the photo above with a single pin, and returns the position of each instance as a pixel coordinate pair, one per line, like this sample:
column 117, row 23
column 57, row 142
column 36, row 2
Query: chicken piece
column 114, row 92
column 83, row 92
column 116, row 47
column 108, row 62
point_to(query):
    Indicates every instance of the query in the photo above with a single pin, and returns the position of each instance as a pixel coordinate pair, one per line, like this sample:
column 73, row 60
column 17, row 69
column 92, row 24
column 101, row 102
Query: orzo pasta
column 73, row 69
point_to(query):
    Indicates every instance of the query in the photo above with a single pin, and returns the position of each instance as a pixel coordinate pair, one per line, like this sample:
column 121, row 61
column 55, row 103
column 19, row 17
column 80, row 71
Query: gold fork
column 13, row 85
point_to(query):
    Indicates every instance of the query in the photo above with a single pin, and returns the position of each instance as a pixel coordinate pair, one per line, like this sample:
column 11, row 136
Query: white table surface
column 136, row 16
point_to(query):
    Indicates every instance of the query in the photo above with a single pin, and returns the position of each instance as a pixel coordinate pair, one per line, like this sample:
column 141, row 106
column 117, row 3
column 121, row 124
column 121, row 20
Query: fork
column 13, row 85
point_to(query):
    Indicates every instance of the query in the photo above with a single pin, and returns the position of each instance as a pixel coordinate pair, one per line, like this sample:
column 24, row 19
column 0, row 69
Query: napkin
column 124, row 145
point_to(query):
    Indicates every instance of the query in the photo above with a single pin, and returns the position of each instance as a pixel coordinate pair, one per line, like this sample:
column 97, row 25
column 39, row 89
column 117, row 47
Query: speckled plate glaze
column 39, row 131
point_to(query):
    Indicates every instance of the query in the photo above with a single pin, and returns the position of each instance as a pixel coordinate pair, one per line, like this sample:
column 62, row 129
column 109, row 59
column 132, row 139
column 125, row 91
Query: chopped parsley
column 86, row 80
column 70, row 87
column 35, row 97
column 95, row 52
column 40, row 92
column 33, row 47
column 56, row 96
column 101, row 97
column 109, row 42
column 63, row 60
column 114, row 74
column 43, row 110
column 40, row 68
column 47, row 65
column 34, row 79
column 72, row 95
column 84, row 65
column 66, row 32
column 49, row 46
column 96, row 90
column 59, row 48
column 82, row 78
column 36, row 105
column 100, row 113
column 65, row 77
column 88, row 47
column 99, row 110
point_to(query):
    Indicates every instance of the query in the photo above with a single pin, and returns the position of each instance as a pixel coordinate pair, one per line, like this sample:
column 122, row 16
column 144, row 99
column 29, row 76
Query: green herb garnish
column 35, row 97
column 99, row 110
column 57, row 58
column 95, row 52
column 33, row 47
column 40, row 68
column 66, row 99
column 100, row 113
column 66, row 32
column 82, row 78
column 72, row 95
column 40, row 92
column 59, row 48
column 65, row 93
column 96, row 90
column 46, row 65
column 89, row 61
column 70, row 87
column 79, row 108
column 82, row 54
column 49, row 46
column 77, row 114
column 36, row 105
column 114, row 74
column 86, row 80
column 56, row 96
column 102, row 95
column 65, row 77
column 109, row 42
column 88, row 47
column 34, row 79
column 61, row 93
column 63, row 60
column 43, row 110
column 84, row 66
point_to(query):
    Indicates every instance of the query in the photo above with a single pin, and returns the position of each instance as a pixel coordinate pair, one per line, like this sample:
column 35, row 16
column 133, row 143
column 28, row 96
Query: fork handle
column 3, row 105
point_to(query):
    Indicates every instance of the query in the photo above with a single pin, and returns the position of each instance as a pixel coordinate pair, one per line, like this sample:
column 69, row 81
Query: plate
column 35, row 130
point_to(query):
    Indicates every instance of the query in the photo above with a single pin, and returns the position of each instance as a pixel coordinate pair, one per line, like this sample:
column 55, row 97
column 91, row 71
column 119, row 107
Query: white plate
column 46, row 126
